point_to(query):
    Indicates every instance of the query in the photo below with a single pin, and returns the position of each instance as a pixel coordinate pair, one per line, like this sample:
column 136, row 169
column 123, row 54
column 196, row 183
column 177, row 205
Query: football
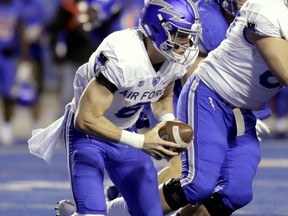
column 178, row 132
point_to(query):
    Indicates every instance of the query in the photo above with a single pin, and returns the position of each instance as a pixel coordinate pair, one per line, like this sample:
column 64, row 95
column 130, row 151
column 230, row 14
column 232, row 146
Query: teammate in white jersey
column 247, row 69
column 130, row 68
column 214, row 27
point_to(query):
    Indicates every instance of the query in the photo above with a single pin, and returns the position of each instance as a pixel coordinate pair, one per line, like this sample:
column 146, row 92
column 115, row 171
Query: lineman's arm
column 274, row 52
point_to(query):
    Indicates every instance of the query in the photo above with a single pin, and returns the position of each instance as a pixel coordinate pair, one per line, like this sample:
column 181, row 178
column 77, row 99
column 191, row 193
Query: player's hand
column 261, row 129
column 157, row 147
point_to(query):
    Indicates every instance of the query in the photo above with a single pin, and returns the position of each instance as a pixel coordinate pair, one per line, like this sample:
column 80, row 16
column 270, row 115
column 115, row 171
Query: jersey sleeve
column 261, row 20
column 106, row 63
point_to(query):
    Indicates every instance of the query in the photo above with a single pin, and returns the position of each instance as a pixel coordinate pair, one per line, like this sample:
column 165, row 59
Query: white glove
column 261, row 129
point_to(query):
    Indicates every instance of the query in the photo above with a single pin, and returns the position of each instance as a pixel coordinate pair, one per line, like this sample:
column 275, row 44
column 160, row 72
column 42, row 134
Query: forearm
column 99, row 127
column 104, row 129
column 163, row 108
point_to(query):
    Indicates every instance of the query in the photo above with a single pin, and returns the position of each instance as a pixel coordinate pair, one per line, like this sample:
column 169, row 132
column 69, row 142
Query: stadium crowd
column 42, row 44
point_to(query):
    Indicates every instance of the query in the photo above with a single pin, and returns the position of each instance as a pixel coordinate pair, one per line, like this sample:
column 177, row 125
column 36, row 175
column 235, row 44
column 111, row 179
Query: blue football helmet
column 165, row 21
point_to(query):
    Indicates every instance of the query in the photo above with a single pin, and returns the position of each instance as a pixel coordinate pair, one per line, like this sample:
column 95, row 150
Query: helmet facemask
column 181, row 44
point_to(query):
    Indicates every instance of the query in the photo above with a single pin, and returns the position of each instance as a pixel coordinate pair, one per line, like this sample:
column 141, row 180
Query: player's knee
column 240, row 199
column 174, row 194
column 237, row 197
column 216, row 207
column 176, row 198
column 198, row 191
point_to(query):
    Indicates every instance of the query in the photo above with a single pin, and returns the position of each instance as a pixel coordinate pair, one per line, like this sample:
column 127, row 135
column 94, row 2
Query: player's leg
column 240, row 168
column 119, row 207
column 135, row 176
column 86, row 166
column 201, row 164
column 171, row 170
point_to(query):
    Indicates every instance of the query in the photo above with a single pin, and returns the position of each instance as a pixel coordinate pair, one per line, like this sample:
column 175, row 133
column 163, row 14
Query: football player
column 214, row 27
column 129, row 69
column 246, row 70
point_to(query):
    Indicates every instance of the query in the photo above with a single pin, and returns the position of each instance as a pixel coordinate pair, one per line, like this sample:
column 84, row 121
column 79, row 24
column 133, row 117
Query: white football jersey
column 236, row 70
column 122, row 58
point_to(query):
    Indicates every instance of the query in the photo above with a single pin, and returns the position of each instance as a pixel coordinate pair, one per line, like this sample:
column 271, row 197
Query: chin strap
column 176, row 56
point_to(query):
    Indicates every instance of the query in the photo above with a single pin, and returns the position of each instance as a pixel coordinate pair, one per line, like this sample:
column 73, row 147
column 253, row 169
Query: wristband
column 132, row 139
column 167, row 117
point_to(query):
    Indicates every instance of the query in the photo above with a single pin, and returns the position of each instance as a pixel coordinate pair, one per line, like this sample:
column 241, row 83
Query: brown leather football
column 178, row 132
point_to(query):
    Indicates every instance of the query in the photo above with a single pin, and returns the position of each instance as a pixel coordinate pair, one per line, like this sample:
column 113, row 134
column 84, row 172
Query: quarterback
column 129, row 69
